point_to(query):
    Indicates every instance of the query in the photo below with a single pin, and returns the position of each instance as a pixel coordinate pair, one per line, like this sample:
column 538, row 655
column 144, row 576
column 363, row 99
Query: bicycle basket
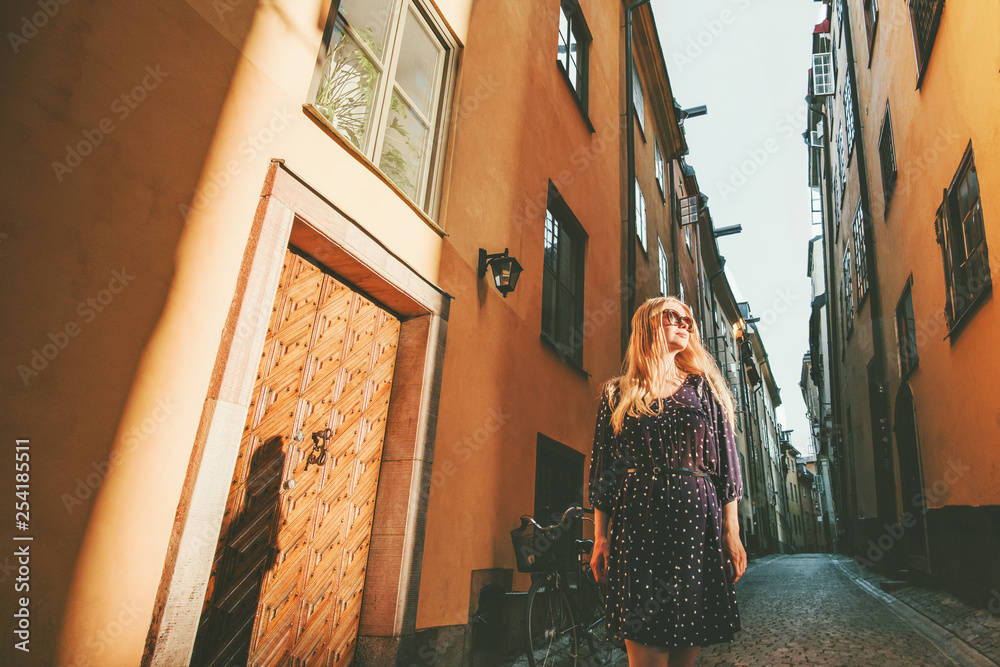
column 537, row 550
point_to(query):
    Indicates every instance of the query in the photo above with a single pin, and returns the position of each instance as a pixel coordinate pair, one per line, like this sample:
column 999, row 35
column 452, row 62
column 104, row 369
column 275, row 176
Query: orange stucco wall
column 501, row 385
column 102, row 253
column 955, row 383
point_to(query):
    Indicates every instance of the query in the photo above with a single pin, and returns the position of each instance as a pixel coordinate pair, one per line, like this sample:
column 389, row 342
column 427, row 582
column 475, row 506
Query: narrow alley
column 819, row 609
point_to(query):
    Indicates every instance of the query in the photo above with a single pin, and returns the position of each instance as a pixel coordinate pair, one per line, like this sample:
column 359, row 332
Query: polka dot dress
column 667, row 576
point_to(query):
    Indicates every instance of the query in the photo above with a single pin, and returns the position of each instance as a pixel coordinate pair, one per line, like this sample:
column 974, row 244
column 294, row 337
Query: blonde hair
column 646, row 365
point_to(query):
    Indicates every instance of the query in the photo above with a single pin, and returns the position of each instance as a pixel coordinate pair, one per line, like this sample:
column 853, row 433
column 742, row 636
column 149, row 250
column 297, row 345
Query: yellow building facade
column 918, row 203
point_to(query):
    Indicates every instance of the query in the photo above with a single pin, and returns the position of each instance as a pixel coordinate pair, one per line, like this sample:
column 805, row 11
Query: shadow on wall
column 111, row 109
column 247, row 552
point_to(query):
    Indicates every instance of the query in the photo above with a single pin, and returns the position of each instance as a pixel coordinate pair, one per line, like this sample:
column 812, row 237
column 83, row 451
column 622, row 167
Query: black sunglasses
column 676, row 319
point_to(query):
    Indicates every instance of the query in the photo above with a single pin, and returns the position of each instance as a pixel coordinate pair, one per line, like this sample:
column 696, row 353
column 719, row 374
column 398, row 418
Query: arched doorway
column 911, row 479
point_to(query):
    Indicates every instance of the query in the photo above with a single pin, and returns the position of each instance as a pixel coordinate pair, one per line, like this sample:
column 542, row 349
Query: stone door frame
column 292, row 213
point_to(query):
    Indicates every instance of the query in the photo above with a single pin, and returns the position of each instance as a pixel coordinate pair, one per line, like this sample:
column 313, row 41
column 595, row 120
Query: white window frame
column 429, row 177
column 640, row 215
column 658, row 158
column 638, row 97
column 823, row 79
column 849, row 112
column 664, row 279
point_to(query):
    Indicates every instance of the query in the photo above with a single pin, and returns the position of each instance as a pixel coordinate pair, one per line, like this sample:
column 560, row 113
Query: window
column 660, row 179
column 906, row 331
column 871, row 22
column 640, row 215
column 839, row 8
column 687, row 238
column 887, row 157
column 847, row 286
column 817, row 206
column 823, row 74
column 925, row 16
column 839, row 177
column 681, row 294
column 558, row 471
column 860, row 252
column 562, row 279
column 574, row 39
column 638, row 103
column 381, row 85
column 849, row 111
column 664, row 282
column 959, row 230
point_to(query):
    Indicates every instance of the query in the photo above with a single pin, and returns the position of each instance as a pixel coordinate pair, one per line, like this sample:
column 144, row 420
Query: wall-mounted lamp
column 505, row 270
column 726, row 231
column 693, row 112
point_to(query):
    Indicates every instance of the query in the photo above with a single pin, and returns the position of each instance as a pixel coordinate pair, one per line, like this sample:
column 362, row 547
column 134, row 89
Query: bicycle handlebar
column 570, row 513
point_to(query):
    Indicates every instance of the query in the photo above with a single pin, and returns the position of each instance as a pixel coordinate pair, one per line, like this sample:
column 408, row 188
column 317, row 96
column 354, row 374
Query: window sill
column 569, row 361
column 335, row 134
column 960, row 323
column 580, row 104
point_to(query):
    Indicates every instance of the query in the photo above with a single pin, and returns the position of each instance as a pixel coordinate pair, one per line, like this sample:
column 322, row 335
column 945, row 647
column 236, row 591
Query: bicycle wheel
column 593, row 625
column 552, row 639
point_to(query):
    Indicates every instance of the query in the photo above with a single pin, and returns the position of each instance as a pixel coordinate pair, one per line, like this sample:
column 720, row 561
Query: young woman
column 665, row 481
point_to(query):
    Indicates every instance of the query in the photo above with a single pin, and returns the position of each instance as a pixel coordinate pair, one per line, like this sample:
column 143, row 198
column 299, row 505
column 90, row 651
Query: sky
column 748, row 61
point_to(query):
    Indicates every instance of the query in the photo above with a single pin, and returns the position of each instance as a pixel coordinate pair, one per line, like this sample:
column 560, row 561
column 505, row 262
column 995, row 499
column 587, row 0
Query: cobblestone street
column 816, row 609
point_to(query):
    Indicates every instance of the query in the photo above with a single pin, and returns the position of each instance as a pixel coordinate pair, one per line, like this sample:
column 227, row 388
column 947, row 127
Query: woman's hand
column 599, row 559
column 737, row 555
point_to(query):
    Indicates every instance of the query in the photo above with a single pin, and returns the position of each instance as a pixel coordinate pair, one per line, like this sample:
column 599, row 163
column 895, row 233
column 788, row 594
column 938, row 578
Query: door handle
column 320, row 441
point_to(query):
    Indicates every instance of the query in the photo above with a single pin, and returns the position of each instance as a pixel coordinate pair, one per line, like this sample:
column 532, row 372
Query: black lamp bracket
column 484, row 259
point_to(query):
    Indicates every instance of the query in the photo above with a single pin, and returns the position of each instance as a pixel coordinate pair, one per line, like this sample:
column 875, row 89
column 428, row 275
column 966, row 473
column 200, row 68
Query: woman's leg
column 683, row 657
column 640, row 655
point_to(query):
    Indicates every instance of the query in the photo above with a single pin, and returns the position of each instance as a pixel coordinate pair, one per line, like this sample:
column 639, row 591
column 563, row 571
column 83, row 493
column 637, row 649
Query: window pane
column 347, row 88
column 567, row 261
column 419, row 63
column 563, row 35
column 404, row 147
column 551, row 240
column 370, row 19
column 571, row 71
column 548, row 301
column 911, row 333
column 565, row 309
column 637, row 99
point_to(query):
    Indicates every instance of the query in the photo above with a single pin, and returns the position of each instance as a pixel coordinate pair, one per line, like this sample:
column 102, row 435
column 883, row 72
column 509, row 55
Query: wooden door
column 289, row 568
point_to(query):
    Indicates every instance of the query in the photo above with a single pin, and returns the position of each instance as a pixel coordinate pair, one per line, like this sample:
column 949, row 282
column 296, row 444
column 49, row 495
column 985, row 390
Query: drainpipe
column 630, row 252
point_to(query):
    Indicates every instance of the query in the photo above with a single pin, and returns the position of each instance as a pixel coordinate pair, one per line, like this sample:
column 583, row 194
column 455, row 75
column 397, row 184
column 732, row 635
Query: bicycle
column 565, row 600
